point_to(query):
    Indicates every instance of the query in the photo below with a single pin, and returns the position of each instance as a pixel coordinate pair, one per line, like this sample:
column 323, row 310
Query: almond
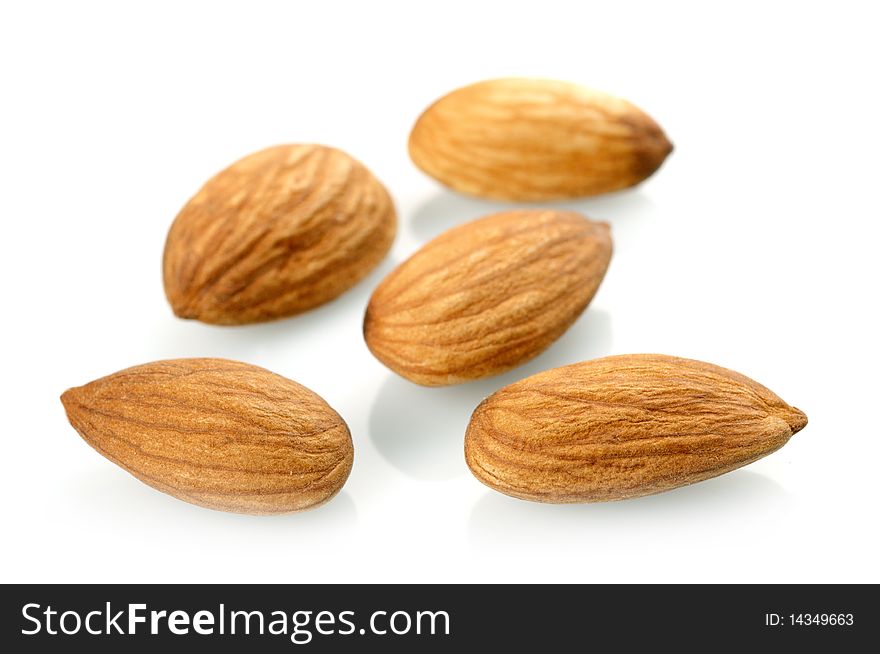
column 621, row 427
column 535, row 139
column 486, row 296
column 277, row 233
column 217, row 433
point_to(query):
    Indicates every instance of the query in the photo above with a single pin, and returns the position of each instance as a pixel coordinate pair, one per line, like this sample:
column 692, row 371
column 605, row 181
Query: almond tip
column 184, row 312
column 67, row 398
column 797, row 420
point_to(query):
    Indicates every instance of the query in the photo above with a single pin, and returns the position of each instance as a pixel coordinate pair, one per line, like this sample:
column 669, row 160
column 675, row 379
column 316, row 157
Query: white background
column 754, row 247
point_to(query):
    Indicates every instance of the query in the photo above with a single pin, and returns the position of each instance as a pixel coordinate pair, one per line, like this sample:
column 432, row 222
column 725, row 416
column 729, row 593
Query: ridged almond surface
column 535, row 139
column 277, row 233
column 621, row 427
column 486, row 296
column 217, row 433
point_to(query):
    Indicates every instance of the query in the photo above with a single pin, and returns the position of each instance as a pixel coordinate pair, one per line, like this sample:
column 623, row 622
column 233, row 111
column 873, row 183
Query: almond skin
column 275, row 234
column 621, row 427
column 535, row 139
column 217, row 433
column 486, row 296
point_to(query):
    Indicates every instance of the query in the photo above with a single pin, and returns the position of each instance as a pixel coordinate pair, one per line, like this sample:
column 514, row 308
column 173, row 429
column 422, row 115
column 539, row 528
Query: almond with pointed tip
column 536, row 139
column 217, row 433
column 621, row 427
column 277, row 233
column 487, row 296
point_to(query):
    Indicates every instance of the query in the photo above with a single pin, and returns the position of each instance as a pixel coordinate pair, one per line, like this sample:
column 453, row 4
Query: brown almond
column 217, row 433
column 486, row 296
column 275, row 234
column 621, row 427
column 536, row 139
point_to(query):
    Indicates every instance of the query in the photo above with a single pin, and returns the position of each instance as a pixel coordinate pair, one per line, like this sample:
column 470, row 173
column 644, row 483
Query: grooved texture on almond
column 622, row 427
column 217, row 433
column 277, row 233
column 534, row 139
column 486, row 296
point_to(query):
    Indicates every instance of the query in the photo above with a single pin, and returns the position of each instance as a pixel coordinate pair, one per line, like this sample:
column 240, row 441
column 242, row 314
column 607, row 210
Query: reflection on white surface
column 420, row 430
column 730, row 498
column 188, row 338
column 446, row 209
column 112, row 495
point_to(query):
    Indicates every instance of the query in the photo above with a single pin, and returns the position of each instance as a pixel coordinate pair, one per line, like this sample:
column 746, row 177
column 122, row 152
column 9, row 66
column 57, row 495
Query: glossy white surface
column 754, row 247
